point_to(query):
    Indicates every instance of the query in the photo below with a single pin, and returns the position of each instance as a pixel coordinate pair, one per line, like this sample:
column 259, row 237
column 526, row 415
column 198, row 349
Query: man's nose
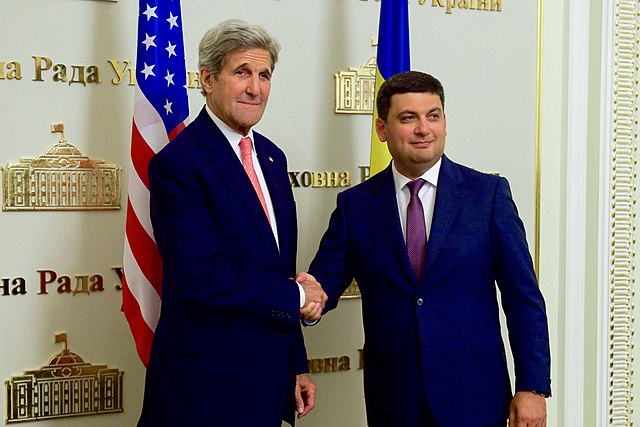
column 423, row 127
column 253, row 85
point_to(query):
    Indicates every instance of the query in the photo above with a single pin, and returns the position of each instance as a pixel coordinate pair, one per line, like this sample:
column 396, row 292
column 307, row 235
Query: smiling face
column 415, row 131
column 239, row 94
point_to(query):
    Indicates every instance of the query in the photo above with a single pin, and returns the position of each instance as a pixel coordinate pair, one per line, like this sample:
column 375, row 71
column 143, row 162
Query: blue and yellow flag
column 392, row 58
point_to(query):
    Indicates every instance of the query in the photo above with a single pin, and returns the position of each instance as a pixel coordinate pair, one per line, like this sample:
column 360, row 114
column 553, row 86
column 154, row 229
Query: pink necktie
column 247, row 163
column 416, row 229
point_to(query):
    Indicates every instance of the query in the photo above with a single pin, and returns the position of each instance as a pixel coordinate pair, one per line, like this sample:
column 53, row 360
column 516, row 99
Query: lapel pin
column 271, row 159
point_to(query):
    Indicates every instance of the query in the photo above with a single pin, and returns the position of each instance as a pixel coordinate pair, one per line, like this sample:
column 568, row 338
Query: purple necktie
column 416, row 229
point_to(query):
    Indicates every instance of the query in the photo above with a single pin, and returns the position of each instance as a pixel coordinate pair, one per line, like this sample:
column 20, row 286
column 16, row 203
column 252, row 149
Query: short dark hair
column 406, row 82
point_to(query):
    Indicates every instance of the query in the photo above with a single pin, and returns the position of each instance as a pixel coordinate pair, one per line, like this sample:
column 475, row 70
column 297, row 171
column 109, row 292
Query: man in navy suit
column 433, row 351
column 228, row 349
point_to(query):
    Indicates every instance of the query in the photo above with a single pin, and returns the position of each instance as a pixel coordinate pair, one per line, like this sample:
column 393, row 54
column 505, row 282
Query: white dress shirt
column 427, row 195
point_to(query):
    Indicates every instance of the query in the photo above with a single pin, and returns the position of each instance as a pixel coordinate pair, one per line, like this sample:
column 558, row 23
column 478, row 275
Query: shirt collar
column 431, row 176
column 232, row 136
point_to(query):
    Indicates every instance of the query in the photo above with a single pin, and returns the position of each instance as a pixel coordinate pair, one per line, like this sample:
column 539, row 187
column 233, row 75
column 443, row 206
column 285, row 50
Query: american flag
column 160, row 112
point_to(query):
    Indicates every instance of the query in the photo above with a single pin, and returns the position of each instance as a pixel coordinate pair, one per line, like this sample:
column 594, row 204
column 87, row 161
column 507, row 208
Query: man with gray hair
column 228, row 349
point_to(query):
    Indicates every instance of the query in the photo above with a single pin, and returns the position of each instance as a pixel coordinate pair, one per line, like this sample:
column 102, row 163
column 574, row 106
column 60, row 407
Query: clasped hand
column 315, row 297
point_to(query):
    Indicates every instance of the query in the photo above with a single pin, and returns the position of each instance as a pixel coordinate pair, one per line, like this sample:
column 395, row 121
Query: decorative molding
column 604, row 213
column 618, row 177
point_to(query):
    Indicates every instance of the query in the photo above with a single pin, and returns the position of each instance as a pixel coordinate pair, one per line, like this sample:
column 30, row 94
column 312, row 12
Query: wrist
column 540, row 393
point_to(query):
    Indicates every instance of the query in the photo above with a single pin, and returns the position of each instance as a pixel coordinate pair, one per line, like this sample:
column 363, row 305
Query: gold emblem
column 66, row 387
column 60, row 179
column 355, row 89
column 353, row 291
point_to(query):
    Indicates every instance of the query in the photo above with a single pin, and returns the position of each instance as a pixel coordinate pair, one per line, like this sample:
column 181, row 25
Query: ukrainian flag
column 392, row 58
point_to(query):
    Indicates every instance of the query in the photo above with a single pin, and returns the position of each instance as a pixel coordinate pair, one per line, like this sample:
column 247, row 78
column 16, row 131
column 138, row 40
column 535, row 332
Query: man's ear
column 205, row 79
column 444, row 116
column 380, row 129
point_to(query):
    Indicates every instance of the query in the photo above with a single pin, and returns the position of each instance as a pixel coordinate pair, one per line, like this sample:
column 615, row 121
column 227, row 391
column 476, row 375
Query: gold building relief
column 67, row 387
column 355, row 89
column 61, row 179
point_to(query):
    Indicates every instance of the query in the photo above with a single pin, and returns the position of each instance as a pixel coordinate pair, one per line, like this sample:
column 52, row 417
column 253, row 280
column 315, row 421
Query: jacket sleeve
column 332, row 266
column 521, row 298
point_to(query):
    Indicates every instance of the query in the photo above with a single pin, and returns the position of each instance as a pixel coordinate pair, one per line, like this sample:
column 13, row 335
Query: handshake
column 315, row 298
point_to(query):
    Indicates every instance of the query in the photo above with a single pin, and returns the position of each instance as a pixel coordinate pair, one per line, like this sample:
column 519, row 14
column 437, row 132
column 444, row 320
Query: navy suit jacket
column 228, row 343
column 440, row 338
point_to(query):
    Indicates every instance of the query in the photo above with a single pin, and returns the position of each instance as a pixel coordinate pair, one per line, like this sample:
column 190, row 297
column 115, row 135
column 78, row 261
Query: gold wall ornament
column 327, row 365
column 355, row 89
column 67, row 387
column 61, row 179
column 353, row 291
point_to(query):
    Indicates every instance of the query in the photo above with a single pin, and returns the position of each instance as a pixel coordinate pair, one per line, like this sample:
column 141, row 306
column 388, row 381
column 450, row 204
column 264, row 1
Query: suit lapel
column 270, row 170
column 448, row 201
column 384, row 208
column 226, row 164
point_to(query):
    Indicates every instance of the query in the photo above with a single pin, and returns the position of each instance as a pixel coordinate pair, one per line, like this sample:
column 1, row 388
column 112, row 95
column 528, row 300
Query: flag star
column 148, row 71
column 150, row 12
column 167, row 106
column 169, row 78
column 149, row 41
column 171, row 49
column 172, row 20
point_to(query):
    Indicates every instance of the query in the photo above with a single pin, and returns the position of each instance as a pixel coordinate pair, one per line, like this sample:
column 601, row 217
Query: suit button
column 419, row 302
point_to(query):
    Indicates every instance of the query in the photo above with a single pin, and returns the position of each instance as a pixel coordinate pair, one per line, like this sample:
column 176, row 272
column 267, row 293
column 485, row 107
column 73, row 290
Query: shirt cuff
column 302, row 296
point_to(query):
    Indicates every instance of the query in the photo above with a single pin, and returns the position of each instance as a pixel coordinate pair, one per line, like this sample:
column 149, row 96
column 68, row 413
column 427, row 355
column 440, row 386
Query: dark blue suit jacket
column 439, row 338
column 228, row 344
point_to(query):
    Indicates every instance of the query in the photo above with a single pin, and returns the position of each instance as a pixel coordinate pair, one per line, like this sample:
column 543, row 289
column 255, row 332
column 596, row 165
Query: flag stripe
column 144, row 292
column 144, row 251
column 393, row 38
column 139, row 328
column 141, row 156
column 176, row 131
column 139, row 201
column 149, row 123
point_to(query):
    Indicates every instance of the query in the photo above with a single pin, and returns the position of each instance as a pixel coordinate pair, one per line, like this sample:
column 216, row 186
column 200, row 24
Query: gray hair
column 231, row 35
